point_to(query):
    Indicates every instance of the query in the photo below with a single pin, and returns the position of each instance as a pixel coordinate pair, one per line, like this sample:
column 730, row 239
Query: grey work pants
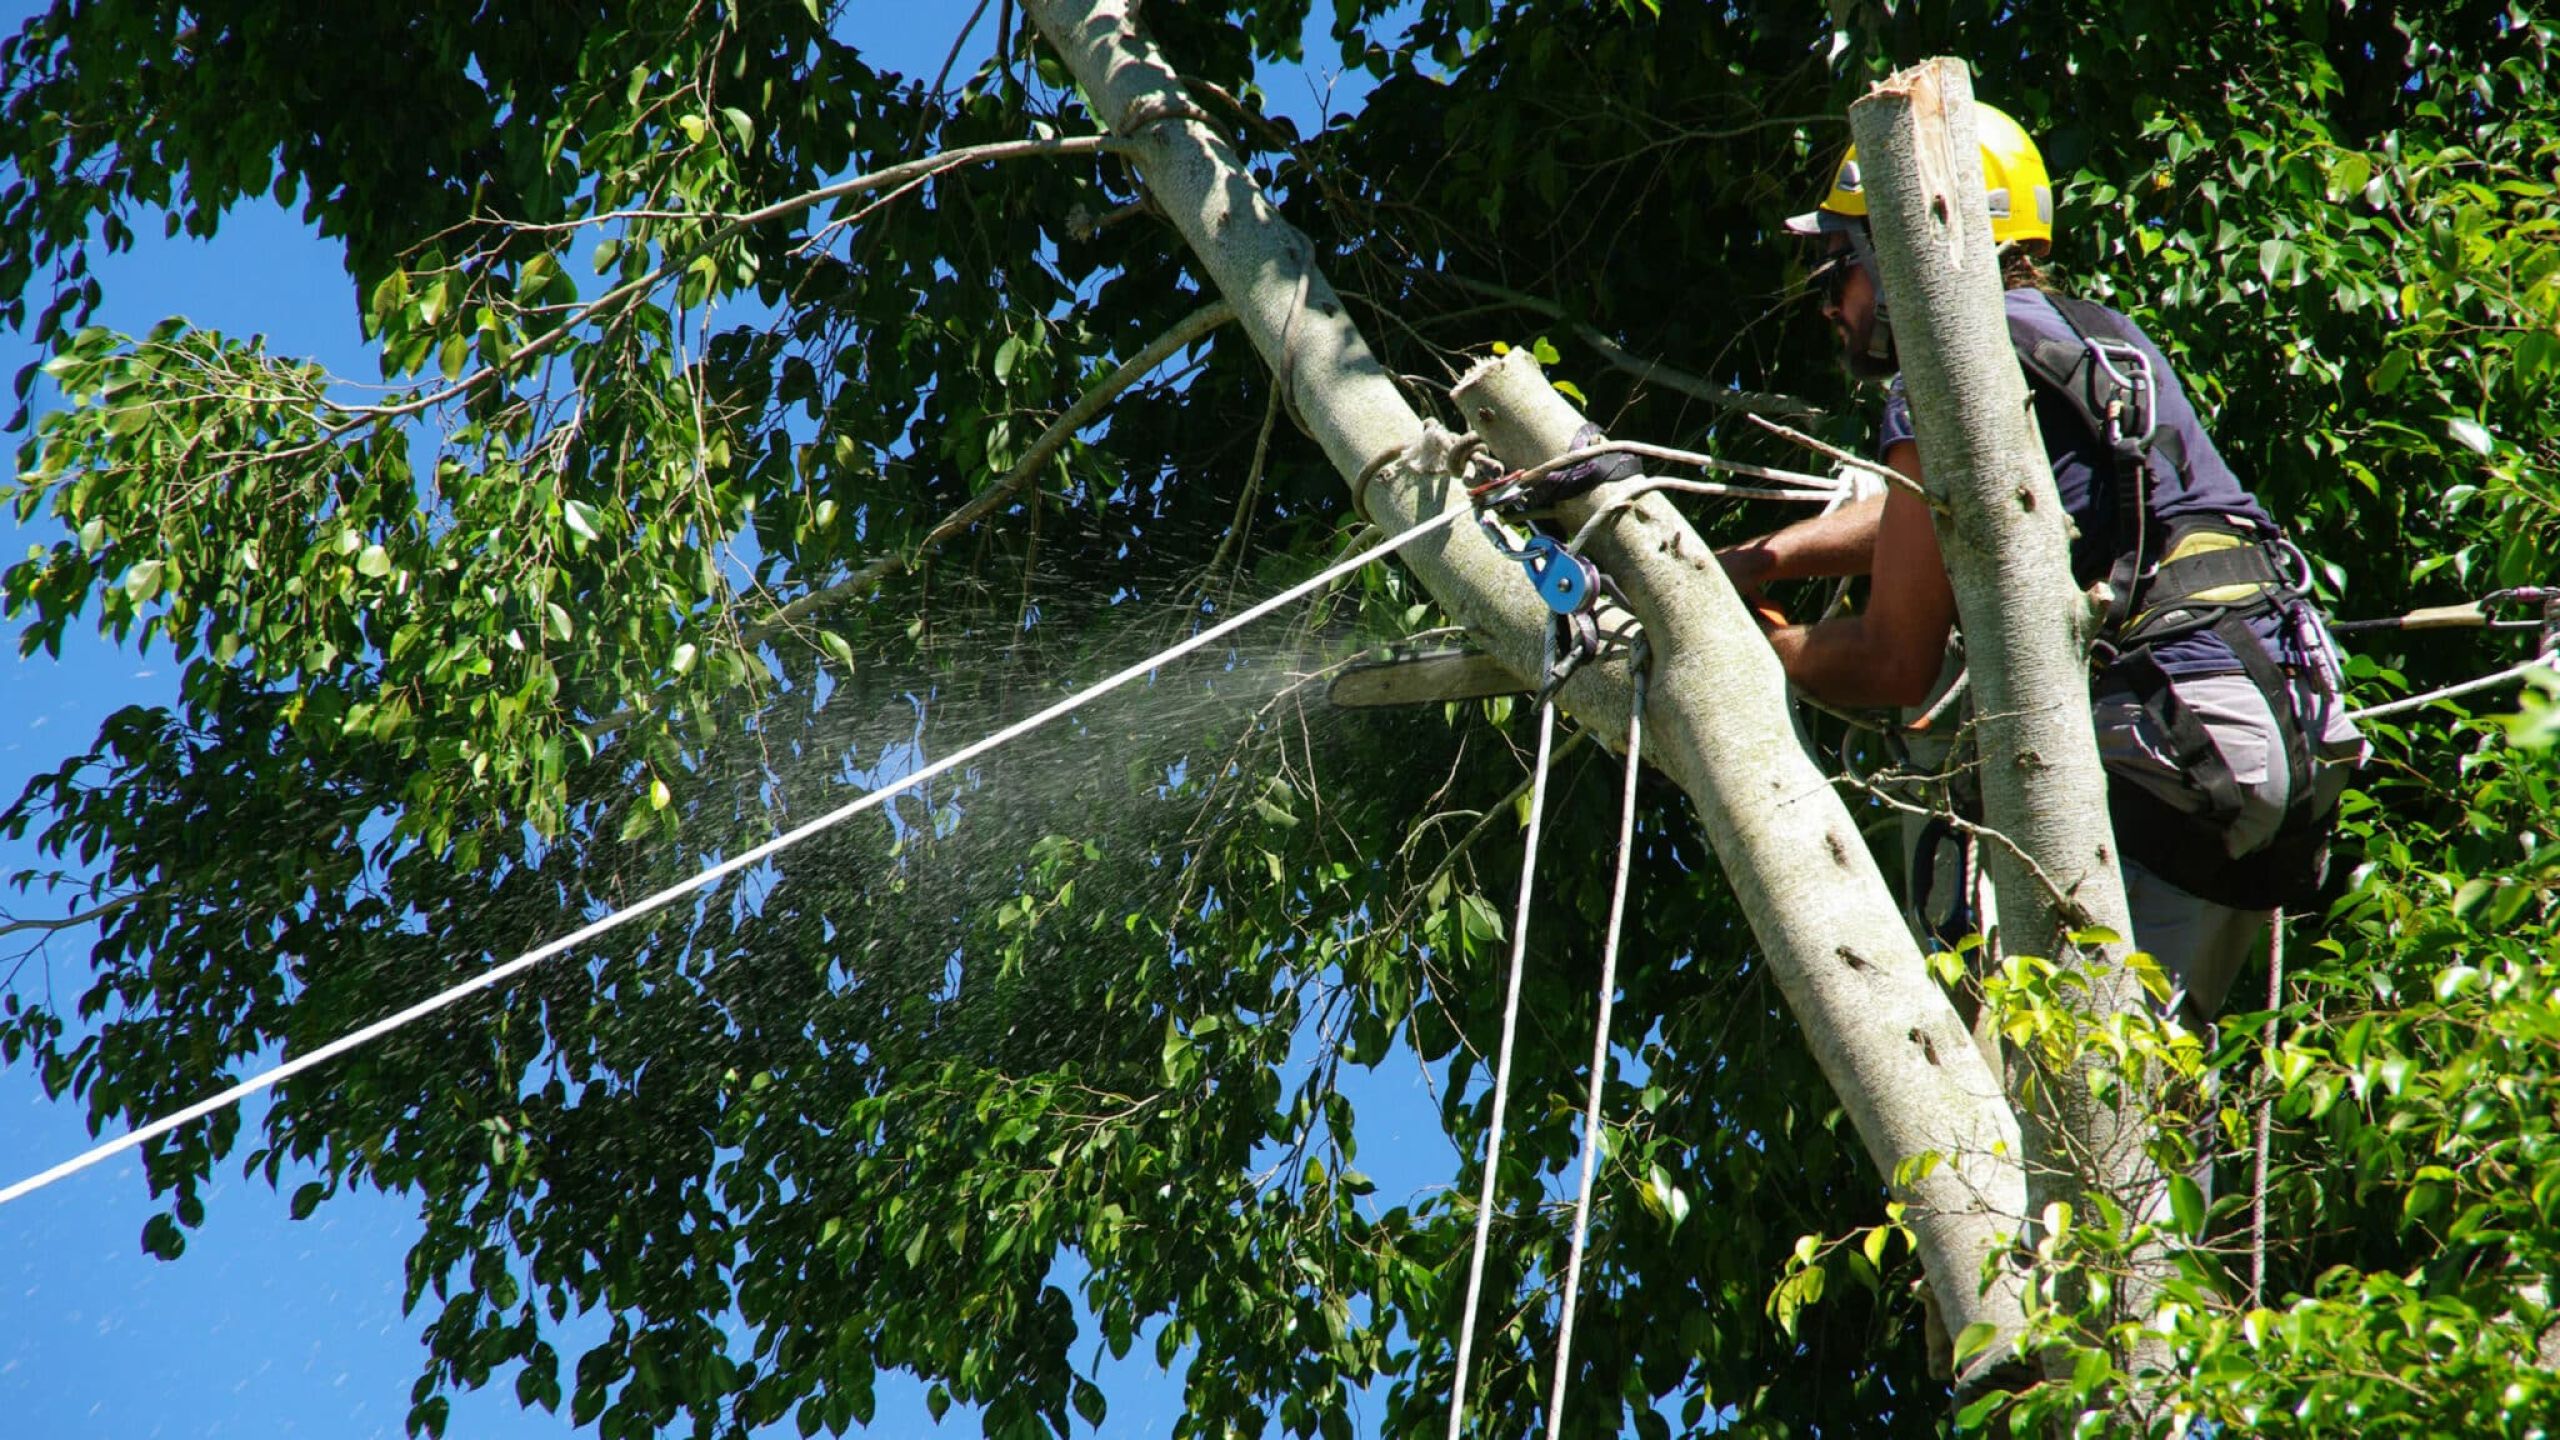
column 2203, row 945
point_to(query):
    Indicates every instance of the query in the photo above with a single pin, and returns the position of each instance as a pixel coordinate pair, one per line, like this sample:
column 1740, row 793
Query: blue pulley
column 1564, row 580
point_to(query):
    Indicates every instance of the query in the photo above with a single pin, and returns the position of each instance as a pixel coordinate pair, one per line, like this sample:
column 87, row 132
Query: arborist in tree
column 2215, row 685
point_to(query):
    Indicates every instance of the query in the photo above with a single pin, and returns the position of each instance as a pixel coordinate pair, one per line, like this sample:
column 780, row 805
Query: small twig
column 2072, row 910
column 933, row 96
column 1459, row 848
column 1245, row 497
column 72, row 922
column 362, row 417
column 1823, row 485
column 1253, row 119
column 1825, row 448
column 1189, row 331
column 1649, row 372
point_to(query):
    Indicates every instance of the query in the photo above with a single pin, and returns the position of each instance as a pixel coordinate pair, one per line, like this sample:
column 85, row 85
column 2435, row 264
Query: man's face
column 1848, row 298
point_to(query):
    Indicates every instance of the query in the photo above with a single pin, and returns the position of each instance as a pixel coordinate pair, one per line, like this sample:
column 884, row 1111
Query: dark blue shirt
column 2084, row 473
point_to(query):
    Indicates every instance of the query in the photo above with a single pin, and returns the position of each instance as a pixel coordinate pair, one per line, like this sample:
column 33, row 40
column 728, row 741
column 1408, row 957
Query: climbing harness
column 743, row 860
column 2210, row 573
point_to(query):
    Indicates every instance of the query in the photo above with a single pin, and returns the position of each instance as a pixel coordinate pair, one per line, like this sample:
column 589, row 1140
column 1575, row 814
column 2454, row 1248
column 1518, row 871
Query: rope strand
column 1502, row 1056
column 741, row 861
column 2397, row 707
column 1599, row 1053
column 2266, row 1115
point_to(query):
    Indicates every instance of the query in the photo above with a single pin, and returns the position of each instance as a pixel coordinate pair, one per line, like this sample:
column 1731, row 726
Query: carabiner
column 2133, row 381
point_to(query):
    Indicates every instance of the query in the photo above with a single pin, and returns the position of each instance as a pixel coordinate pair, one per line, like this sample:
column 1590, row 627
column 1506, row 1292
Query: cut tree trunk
column 1927, row 1107
column 2006, row 542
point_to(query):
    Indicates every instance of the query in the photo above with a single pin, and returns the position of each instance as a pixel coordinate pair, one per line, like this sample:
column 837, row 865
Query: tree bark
column 2006, row 541
column 1887, row 1037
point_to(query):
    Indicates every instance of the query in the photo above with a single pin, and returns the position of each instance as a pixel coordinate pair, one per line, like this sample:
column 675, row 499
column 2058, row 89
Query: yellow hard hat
column 2013, row 176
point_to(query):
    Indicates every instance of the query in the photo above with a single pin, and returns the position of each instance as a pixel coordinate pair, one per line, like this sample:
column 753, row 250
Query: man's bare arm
column 1842, row 542
column 1889, row 655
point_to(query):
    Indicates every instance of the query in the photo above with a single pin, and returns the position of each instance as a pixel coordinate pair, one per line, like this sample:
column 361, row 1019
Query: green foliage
column 644, row 553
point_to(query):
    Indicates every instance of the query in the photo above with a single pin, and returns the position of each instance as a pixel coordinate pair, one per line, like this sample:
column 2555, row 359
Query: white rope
column 1599, row 1057
column 2266, row 1114
column 1502, row 1057
column 731, row 866
column 2397, row 707
column 1825, row 484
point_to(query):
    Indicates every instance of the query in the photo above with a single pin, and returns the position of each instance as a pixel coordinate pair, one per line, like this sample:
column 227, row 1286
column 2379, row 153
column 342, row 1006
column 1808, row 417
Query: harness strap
column 2270, row 680
column 2070, row 371
column 2212, row 568
column 2187, row 849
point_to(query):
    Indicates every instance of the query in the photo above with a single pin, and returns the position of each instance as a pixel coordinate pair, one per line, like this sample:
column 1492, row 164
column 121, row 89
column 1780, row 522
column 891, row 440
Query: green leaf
column 2470, row 434
column 1974, row 1339
column 373, row 562
column 162, row 1239
column 580, row 517
column 2186, row 1205
column 142, row 581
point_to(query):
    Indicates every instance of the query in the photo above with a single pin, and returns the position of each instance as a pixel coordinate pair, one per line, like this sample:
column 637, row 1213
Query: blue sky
column 267, row 1326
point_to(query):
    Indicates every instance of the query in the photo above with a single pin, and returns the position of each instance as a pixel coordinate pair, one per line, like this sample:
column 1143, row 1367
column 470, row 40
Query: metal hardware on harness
column 2129, row 371
column 1567, row 585
column 1565, row 581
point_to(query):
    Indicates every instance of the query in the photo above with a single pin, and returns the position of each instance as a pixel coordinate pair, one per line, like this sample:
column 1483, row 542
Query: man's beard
column 1862, row 363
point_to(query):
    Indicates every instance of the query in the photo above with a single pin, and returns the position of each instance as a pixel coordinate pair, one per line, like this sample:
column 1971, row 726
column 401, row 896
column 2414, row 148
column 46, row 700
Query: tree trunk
column 2006, row 541
column 1887, row 1037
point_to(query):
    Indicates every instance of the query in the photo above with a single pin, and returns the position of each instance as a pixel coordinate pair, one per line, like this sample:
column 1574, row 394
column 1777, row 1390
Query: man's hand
column 1748, row 565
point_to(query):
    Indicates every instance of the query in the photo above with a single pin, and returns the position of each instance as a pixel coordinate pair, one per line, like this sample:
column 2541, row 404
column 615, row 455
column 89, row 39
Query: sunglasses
column 1831, row 277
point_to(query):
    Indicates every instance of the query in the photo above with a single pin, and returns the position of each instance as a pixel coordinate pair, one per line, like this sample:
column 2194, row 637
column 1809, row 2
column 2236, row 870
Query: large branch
column 2007, row 544
column 1883, row 1031
column 1887, row 1038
